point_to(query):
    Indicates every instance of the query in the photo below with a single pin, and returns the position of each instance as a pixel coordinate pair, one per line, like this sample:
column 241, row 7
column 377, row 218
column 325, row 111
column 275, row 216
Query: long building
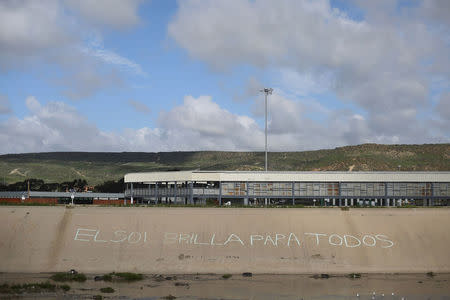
column 290, row 188
column 62, row 197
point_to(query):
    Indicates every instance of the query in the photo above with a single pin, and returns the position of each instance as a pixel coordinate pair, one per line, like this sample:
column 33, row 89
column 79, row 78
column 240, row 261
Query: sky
column 131, row 75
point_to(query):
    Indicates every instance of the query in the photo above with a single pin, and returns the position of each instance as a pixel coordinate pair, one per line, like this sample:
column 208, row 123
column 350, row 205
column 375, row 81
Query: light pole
column 266, row 91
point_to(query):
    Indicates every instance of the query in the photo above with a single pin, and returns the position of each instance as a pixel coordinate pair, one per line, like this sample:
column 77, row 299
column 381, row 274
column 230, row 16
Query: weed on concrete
column 63, row 277
column 123, row 276
column 107, row 290
column 32, row 288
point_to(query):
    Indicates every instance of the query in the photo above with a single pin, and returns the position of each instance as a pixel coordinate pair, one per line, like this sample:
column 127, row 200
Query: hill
column 97, row 167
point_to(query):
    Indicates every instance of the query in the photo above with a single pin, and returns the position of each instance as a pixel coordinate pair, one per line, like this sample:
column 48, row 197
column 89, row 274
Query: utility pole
column 266, row 91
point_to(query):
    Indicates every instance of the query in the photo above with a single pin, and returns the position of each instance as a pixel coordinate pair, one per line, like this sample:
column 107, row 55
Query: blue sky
column 81, row 75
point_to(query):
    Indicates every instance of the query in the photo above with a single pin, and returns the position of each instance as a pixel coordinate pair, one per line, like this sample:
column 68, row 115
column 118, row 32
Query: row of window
column 332, row 189
column 326, row 189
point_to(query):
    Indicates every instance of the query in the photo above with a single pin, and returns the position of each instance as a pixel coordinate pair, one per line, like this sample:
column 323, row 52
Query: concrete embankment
column 224, row 240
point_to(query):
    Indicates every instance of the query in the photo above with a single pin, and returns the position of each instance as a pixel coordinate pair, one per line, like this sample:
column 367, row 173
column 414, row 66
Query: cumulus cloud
column 383, row 65
column 205, row 125
column 28, row 29
column 50, row 127
column 116, row 13
column 196, row 124
column 51, row 32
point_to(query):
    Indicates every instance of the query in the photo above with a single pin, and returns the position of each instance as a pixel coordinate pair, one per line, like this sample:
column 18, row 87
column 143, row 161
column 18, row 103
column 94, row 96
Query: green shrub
column 354, row 275
column 107, row 290
column 65, row 287
column 127, row 276
column 63, row 277
column 107, row 277
column 226, row 276
column 31, row 288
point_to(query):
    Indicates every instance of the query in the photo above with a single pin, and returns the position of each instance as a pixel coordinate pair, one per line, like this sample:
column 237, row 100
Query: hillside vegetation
column 98, row 167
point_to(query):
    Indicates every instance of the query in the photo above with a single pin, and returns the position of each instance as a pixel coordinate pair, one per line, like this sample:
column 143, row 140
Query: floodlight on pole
column 266, row 91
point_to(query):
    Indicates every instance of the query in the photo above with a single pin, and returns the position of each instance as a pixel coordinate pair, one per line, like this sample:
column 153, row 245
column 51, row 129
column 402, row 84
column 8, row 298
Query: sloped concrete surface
column 224, row 240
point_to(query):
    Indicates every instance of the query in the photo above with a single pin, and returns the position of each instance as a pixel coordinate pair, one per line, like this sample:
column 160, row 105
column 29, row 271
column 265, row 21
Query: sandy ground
column 213, row 286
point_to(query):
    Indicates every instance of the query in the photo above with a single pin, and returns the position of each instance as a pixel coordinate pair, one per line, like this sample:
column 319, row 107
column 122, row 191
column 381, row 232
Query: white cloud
column 197, row 124
column 115, row 59
column 203, row 124
column 382, row 65
column 54, row 126
column 47, row 32
column 32, row 104
column 114, row 13
column 29, row 29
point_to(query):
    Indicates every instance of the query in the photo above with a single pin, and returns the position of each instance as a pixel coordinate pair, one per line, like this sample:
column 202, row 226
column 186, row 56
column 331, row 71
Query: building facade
column 290, row 188
column 62, row 197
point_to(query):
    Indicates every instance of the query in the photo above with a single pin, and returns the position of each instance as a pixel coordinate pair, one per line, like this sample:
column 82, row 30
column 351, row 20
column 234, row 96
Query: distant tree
column 110, row 186
column 3, row 187
column 77, row 185
column 49, row 187
column 18, row 186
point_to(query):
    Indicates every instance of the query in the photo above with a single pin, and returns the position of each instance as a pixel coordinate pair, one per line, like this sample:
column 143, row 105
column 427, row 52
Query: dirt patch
column 17, row 172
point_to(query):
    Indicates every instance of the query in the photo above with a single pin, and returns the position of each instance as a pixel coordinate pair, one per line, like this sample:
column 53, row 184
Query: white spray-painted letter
column 374, row 241
column 234, row 238
column 292, row 237
column 335, row 235
column 316, row 235
column 79, row 233
column 383, row 238
column 358, row 242
column 120, row 232
column 255, row 237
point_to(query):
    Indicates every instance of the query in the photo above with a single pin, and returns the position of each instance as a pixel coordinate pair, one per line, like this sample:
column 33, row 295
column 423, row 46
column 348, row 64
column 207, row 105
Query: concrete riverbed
column 214, row 287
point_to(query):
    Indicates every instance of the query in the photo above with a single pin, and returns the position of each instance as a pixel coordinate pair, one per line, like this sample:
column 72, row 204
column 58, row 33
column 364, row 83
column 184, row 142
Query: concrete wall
column 108, row 202
column 224, row 240
column 30, row 200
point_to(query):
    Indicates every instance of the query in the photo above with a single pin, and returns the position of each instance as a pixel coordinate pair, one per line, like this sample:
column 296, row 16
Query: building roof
column 321, row 176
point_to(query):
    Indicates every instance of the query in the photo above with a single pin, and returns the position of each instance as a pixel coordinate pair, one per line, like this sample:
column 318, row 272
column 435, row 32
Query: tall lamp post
column 266, row 91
